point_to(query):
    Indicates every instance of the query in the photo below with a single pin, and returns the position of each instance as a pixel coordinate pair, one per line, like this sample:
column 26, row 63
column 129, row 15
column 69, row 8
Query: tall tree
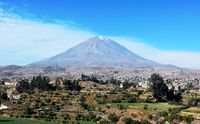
column 22, row 86
column 160, row 89
column 40, row 82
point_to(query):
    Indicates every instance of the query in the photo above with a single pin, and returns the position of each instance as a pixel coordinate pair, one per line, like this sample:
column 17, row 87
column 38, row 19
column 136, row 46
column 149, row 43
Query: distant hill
column 97, row 52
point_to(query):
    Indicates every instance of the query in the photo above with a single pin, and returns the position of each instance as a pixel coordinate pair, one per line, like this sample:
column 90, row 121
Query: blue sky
column 167, row 24
column 170, row 27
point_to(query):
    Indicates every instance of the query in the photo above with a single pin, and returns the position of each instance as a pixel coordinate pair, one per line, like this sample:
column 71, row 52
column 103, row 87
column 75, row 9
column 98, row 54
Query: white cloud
column 179, row 58
column 24, row 41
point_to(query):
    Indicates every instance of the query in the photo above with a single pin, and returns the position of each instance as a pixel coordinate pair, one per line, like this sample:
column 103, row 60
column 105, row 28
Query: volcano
column 98, row 52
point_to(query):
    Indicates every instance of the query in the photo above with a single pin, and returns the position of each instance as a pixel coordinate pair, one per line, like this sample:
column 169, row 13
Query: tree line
column 43, row 83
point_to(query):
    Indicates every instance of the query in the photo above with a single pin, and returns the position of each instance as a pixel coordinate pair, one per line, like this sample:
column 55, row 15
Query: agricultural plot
column 194, row 111
column 150, row 106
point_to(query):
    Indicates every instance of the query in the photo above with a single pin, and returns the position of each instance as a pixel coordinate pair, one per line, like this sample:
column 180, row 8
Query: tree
column 117, row 100
column 170, row 94
column 122, row 107
column 58, row 83
column 131, row 121
column 189, row 119
column 145, row 107
column 28, row 111
column 160, row 89
column 85, row 77
column 41, row 83
column 127, row 120
column 194, row 102
column 3, row 95
column 94, row 79
column 92, row 116
column 84, row 105
column 177, row 97
column 132, row 98
column 71, row 85
column 112, row 117
column 161, row 92
column 82, row 99
column 67, row 84
column 126, row 84
column 113, row 81
column 22, row 86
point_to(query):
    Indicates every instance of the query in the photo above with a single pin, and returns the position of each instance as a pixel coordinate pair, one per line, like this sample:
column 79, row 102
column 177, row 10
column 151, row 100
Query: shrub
column 145, row 107
column 131, row 121
column 150, row 117
column 194, row 102
column 27, row 111
column 189, row 119
column 127, row 120
column 3, row 96
column 112, row 117
column 122, row 107
column 118, row 100
column 163, row 114
column 105, row 122
column 132, row 99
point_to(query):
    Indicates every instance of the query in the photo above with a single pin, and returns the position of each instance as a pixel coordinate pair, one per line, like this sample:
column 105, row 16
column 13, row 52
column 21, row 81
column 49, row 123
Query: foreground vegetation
column 90, row 100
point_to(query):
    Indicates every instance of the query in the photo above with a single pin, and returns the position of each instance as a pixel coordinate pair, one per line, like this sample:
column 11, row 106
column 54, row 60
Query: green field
column 195, row 110
column 5, row 120
column 150, row 106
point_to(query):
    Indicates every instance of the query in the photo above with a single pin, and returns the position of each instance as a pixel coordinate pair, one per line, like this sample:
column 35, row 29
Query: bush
column 92, row 116
column 101, row 102
column 112, row 117
column 122, row 107
column 84, row 105
column 105, row 122
column 3, row 95
column 163, row 114
column 27, row 111
column 131, row 121
column 194, row 102
column 118, row 100
column 143, row 122
column 173, row 114
column 150, row 117
column 132, row 99
column 82, row 99
column 145, row 107
column 127, row 120
column 189, row 119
